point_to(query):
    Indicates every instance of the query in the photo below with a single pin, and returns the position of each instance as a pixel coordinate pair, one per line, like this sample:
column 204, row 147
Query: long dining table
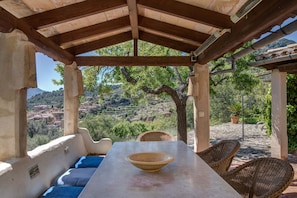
column 187, row 176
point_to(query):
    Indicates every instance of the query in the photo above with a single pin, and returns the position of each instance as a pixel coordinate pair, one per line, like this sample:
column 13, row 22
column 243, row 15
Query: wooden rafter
column 172, row 30
column 248, row 28
column 189, row 12
column 149, row 28
column 108, row 41
column 5, row 26
column 89, row 31
column 166, row 42
column 71, row 12
column 133, row 61
column 133, row 18
column 46, row 46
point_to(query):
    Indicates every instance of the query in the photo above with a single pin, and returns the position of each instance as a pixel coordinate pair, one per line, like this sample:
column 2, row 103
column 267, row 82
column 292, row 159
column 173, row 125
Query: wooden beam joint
column 134, row 61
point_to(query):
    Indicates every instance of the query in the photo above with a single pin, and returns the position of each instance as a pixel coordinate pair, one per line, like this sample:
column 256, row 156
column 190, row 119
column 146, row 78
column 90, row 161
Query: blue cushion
column 75, row 177
column 88, row 161
column 62, row 191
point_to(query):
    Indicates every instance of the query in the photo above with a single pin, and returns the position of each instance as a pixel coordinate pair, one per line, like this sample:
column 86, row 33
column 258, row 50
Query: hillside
column 113, row 104
column 34, row 91
column 276, row 44
column 54, row 98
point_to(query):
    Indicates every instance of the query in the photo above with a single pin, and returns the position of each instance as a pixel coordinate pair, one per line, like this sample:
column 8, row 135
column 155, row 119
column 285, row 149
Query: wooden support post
column 135, row 44
column 18, row 72
column 279, row 137
column 73, row 88
column 201, row 107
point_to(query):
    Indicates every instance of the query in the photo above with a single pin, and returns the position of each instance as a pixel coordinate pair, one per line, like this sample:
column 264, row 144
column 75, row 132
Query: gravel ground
column 254, row 143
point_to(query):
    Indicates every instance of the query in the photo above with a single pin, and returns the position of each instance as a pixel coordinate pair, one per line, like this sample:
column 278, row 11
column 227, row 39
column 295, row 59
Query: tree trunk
column 181, row 122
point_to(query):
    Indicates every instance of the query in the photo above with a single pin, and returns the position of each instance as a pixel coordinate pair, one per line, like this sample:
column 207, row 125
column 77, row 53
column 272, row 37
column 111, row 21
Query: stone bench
column 32, row 175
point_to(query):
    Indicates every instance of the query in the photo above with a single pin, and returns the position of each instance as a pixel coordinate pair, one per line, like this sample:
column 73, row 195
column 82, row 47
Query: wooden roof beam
column 172, row 30
column 133, row 60
column 71, row 12
column 93, row 30
column 42, row 43
column 189, row 12
column 260, row 19
column 108, row 41
column 133, row 18
column 5, row 26
column 289, row 67
column 177, row 45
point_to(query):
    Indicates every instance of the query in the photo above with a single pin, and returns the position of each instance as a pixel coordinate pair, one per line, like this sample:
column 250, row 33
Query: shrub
column 127, row 130
column 98, row 126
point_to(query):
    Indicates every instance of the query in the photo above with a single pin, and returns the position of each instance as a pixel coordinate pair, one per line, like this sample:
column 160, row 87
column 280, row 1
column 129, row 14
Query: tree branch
column 126, row 74
column 218, row 82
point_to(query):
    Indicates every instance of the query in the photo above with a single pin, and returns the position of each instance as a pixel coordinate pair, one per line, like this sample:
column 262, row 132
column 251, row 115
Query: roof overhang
column 64, row 29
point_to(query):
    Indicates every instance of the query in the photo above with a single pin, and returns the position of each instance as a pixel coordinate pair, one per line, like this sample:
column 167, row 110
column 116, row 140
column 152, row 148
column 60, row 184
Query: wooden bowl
column 150, row 161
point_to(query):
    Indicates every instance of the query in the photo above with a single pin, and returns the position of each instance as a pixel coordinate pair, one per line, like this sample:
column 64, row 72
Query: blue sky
column 45, row 65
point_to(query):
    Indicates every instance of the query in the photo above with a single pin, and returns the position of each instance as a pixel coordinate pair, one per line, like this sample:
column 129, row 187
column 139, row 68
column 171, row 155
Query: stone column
column 279, row 137
column 73, row 88
column 18, row 72
column 201, row 107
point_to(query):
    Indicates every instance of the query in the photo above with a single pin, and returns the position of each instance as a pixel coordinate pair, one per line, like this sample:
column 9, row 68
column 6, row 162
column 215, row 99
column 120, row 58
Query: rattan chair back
column 155, row 136
column 220, row 156
column 261, row 178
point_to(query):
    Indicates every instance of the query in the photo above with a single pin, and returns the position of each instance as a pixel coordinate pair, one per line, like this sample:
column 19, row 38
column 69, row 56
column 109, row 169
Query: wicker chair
column 261, row 178
column 155, row 136
column 220, row 155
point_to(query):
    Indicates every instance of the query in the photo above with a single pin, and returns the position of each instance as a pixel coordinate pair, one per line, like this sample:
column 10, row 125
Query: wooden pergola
column 62, row 30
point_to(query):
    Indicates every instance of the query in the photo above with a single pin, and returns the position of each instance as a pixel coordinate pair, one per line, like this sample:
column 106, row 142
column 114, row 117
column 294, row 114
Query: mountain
column 34, row 91
column 55, row 98
column 276, row 44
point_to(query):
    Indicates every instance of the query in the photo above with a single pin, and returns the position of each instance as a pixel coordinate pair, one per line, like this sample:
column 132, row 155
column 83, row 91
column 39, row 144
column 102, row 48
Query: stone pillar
column 18, row 72
column 279, row 137
column 73, row 88
column 201, row 107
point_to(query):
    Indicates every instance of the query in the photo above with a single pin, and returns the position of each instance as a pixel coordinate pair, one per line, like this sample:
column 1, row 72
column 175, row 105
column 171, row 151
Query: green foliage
column 225, row 95
column 221, row 98
column 128, row 130
column 99, row 126
column 235, row 109
column 292, row 111
column 60, row 70
column 140, row 81
column 267, row 115
column 164, row 123
column 40, row 133
column 153, row 77
column 37, row 140
column 190, row 114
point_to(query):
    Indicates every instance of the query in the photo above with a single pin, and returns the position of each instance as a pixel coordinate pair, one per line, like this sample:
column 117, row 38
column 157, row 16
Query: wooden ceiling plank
column 71, row 12
column 108, row 41
column 172, row 29
column 262, row 18
column 89, row 31
column 184, row 47
column 133, row 60
column 189, row 12
column 133, row 18
column 44, row 45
